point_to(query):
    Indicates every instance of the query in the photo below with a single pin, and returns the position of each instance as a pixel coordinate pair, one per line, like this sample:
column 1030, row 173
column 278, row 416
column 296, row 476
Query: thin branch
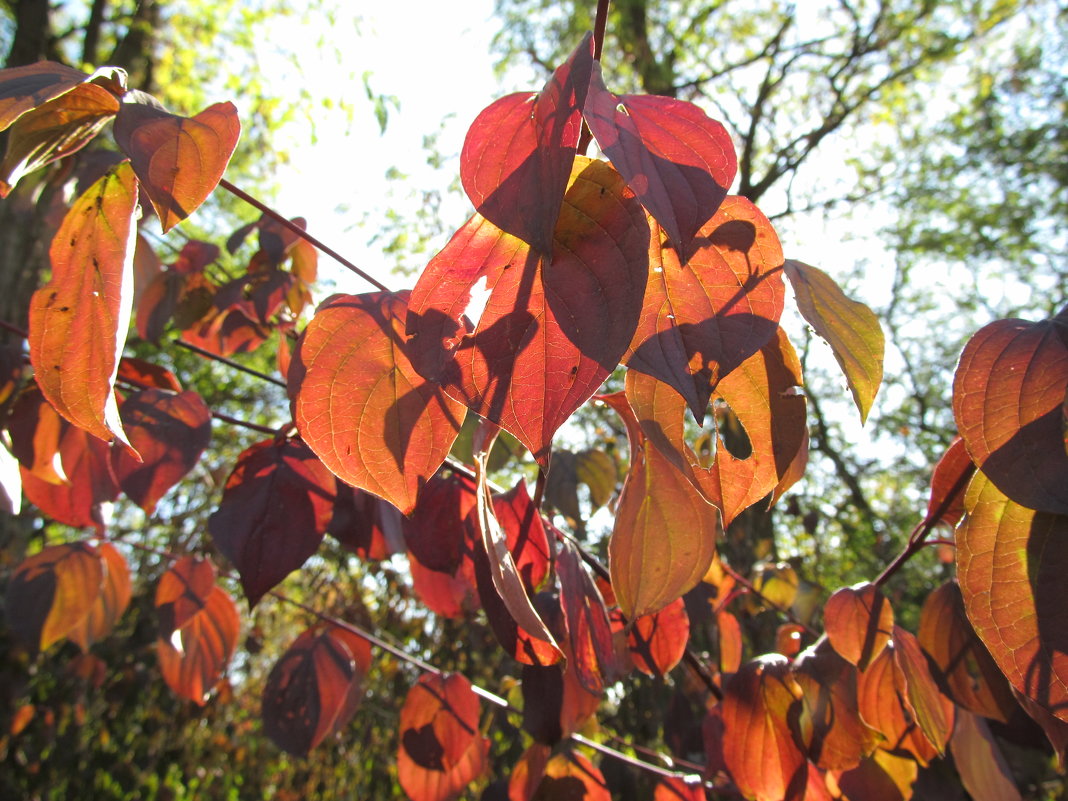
column 296, row 229
column 215, row 357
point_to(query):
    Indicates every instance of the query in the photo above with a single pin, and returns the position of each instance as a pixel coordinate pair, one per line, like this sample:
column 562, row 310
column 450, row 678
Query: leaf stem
column 296, row 229
column 599, row 25
column 918, row 537
column 207, row 354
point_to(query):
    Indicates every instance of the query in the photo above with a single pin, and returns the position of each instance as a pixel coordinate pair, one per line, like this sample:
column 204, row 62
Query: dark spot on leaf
column 423, row 747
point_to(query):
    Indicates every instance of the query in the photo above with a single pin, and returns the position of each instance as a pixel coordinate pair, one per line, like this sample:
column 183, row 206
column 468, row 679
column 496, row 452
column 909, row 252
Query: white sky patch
column 476, row 304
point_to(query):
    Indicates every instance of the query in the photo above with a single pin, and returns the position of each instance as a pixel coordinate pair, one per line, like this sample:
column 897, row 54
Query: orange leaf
column 179, row 160
column 850, row 328
column 1011, row 567
column 441, row 750
column 110, row 604
column 570, row 775
column 760, row 751
column 859, row 622
column 1008, row 399
column 524, row 340
column 680, row 789
column 182, row 592
column 702, row 318
column 527, row 772
column 53, row 591
column 360, row 405
column 664, row 535
column 658, row 641
column 54, row 130
column 951, row 469
column 24, row 88
column 193, row 658
column 971, row 676
column 312, row 691
column 79, row 319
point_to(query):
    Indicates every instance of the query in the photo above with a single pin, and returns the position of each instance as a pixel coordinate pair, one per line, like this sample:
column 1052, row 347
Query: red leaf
column 147, row 375
column 78, row 320
column 573, row 777
column 589, row 631
column 312, row 691
column 52, row 592
column 361, row 406
column 954, row 466
column 729, row 632
column 679, row 789
column 658, row 641
column 984, row 771
column 170, row 431
column 971, row 676
column 665, row 531
column 54, row 130
column 274, row 512
column 365, row 525
column 441, row 523
column 519, row 152
column 760, row 751
column 527, row 772
column 859, row 622
column 1008, row 396
column 182, row 592
column 550, row 332
column 1011, row 564
column 441, row 750
column 84, row 497
column 36, row 429
column 702, row 318
column 881, row 777
column 179, row 160
column 24, row 88
column 677, row 160
column 447, row 594
column 193, row 658
column 114, row 597
column 929, row 708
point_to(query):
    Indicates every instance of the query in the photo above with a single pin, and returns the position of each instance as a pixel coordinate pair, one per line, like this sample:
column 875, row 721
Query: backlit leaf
column 930, row 709
column 273, row 514
column 831, row 730
column 1008, row 395
column 193, row 658
column 78, row 320
column 365, row 524
column 760, row 751
column 114, row 597
column 375, row 422
column 880, row 777
column 147, row 375
column 571, row 776
column 850, row 328
column 589, row 632
column 53, row 591
column 664, row 535
column 503, row 570
column 441, row 522
column 549, row 332
column 84, row 497
column 170, row 432
column 983, row 769
column 527, row 772
column 658, row 641
column 312, row 691
column 441, row 750
column 701, row 319
column 54, row 130
column 678, row 789
column 178, row 160
column 859, row 622
column 729, row 639
column 677, row 160
column 951, row 473
column 1011, row 564
column 24, row 88
column 182, row 592
column 519, row 151
column 971, row 676
column 36, row 428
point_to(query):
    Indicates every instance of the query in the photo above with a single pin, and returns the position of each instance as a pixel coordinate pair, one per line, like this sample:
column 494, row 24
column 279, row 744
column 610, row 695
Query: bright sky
column 437, row 63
